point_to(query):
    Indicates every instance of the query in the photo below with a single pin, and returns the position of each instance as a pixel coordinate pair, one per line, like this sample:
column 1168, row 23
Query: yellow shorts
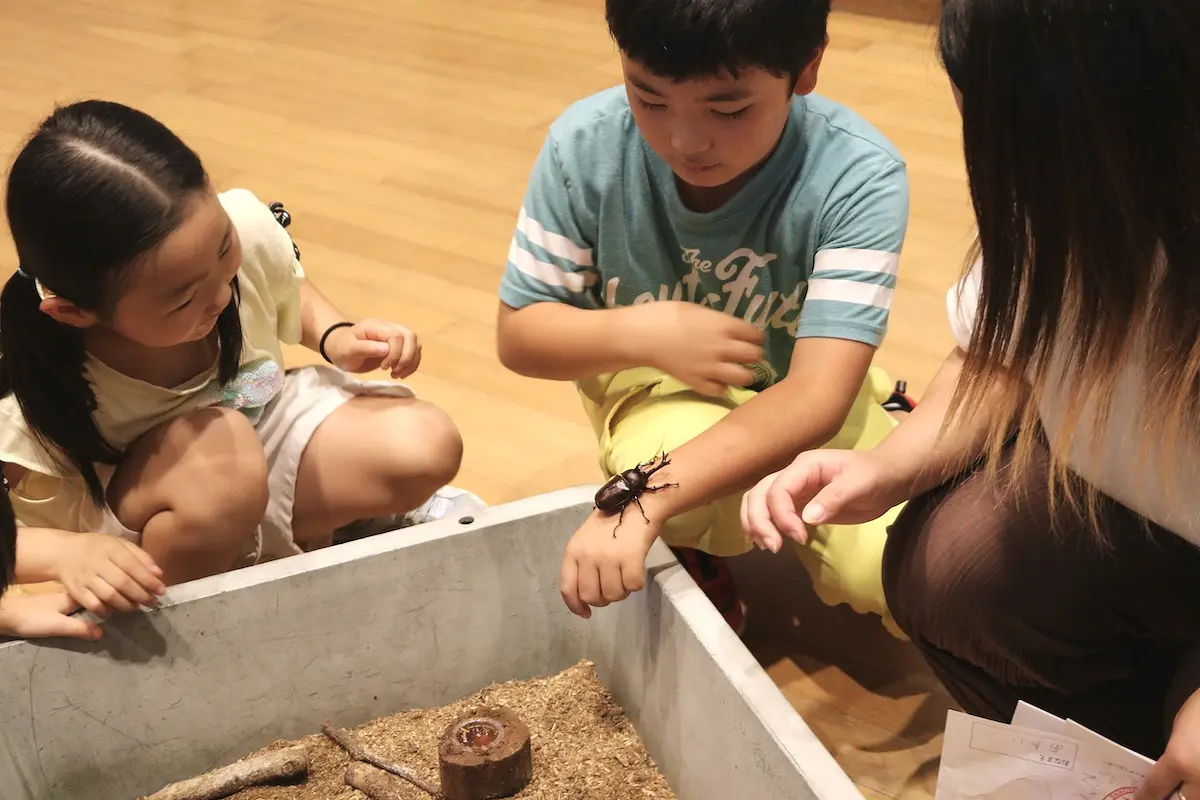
column 639, row 413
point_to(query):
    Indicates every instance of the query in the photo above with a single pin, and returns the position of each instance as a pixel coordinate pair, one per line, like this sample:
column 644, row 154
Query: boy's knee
column 846, row 565
column 647, row 426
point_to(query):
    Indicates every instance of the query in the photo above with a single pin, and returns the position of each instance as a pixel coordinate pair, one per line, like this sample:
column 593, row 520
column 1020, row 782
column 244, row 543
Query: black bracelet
column 325, row 335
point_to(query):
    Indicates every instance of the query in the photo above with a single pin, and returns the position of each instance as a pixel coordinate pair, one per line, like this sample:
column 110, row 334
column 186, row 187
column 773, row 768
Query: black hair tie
column 284, row 218
column 325, row 335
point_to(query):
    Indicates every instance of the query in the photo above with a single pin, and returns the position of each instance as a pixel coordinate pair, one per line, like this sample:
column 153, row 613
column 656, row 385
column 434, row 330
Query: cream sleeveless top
column 268, row 279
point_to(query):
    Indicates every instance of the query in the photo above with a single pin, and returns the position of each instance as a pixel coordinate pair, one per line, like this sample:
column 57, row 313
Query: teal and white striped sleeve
column 849, row 293
column 550, row 258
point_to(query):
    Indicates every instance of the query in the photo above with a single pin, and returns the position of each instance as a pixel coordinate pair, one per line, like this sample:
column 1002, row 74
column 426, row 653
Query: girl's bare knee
column 207, row 469
column 430, row 462
column 443, row 446
column 225, row 487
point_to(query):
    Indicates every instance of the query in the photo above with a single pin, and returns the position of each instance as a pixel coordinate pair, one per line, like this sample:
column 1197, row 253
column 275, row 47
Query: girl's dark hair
column 97, row 186
column 1081, row 132
column 686, row 39
column 8, row 541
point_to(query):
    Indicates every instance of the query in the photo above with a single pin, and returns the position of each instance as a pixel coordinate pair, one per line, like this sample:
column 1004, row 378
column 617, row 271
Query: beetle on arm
column 760, row 436
column 628, row 487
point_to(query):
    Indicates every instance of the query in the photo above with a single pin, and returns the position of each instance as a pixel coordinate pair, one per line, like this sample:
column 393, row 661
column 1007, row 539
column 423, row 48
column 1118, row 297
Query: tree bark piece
column 485, row 755
column 360, row 753
column 373, row 782
column 266, row 768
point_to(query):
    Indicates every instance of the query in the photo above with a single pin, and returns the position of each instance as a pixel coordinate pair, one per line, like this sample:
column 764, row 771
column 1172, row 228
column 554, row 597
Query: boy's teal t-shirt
column 808, row 247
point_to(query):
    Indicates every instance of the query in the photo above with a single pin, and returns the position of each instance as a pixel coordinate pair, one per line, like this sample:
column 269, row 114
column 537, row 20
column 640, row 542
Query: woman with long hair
column 1048, row 549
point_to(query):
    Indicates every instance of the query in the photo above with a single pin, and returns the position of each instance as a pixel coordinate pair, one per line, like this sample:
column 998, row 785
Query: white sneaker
column 449, row 501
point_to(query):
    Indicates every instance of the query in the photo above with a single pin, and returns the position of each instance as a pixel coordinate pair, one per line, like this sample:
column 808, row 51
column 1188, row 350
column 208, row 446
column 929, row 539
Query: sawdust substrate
column 584, row 747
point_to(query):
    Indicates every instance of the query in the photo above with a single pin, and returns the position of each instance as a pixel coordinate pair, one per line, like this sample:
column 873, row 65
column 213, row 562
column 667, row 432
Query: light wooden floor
column 400, row 135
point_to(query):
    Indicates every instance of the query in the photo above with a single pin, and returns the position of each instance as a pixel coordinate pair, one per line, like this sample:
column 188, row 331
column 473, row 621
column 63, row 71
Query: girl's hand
column 375, row 344
column 40, row 616
column 1177, row 773
column 106, row 574
column 821, row 486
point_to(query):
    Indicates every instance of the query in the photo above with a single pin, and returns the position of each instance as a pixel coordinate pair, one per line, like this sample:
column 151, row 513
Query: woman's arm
column 923, row 455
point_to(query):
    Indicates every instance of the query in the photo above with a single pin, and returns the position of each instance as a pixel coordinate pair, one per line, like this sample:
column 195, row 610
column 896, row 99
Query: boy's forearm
column 558, row 342
column 761, row 436
column 316, row 315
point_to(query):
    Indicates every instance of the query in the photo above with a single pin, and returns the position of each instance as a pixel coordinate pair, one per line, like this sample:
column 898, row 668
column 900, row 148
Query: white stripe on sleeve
column 553, row 243
column 845, row 291
column 549, row 274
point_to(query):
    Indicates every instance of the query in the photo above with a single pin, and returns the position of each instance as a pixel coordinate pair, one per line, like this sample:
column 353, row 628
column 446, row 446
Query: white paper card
column 1028, row 716
column 984, row 760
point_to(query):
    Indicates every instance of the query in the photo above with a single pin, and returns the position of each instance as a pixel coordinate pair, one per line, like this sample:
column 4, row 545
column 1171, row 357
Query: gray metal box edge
column 417, row 617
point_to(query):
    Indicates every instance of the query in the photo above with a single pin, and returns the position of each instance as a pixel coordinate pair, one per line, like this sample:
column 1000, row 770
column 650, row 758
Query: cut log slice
column 485, row 755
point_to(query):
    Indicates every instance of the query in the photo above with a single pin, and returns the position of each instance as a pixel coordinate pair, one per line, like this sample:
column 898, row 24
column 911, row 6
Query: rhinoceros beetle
column 625, row 488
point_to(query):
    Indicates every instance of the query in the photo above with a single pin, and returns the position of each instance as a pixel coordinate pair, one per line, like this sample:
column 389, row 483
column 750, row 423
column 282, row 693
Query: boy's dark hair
column 684, row 39
column 97, row 186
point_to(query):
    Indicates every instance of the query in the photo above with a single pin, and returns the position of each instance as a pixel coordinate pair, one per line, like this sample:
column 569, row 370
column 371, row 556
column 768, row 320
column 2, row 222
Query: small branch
column 360, row 753
column 266, row 768
column 373, row 782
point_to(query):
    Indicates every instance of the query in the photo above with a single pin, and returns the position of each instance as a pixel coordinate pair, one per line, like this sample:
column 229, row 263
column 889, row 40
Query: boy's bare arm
column 803, row 411
column 558, row 342
column 706, row 349
column 763, row 435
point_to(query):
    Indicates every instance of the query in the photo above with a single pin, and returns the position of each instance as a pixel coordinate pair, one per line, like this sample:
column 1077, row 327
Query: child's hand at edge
column 41, row 616
column 375, row 344
column 106, row 574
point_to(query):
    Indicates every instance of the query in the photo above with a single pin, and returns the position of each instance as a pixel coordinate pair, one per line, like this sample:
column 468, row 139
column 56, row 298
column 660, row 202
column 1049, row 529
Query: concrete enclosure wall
column 415, row 618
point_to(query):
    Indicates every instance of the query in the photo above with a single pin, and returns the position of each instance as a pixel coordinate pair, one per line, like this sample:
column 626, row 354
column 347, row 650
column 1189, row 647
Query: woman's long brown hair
column 1081, row 132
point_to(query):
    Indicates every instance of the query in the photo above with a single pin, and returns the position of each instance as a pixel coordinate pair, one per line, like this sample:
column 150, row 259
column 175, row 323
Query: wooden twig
column 266, row 768
column 360, row 753
column 373, row 782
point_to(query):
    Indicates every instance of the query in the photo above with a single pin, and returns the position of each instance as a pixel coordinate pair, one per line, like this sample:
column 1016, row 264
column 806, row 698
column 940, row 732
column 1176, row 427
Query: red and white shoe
column 712, row 575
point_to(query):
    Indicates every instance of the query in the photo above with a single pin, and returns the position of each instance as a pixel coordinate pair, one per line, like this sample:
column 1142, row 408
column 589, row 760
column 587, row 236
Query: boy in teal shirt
column 709, row 252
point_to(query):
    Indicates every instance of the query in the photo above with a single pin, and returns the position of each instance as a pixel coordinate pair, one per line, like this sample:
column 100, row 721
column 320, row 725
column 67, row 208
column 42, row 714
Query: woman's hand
column 821, row 486
column 39, row 616
column 1177, row 773
column 106, row 574
column 375, row 344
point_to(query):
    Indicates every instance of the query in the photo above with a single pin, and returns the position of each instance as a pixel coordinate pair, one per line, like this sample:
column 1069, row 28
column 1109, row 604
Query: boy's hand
column 40, row 616
column 106, row 574
column 599, row 569
column 706, row 349
column 375, row 344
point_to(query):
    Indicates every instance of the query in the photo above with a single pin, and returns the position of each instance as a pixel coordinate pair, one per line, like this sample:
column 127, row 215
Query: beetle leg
column 665, row 461
column 620, row 519
column 639, row 505
column 660, row 487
